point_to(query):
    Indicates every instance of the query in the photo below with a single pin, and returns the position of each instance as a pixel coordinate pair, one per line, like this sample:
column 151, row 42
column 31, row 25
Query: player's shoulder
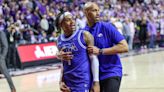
column 108, row 25
column 84, row 31
column 105, row 24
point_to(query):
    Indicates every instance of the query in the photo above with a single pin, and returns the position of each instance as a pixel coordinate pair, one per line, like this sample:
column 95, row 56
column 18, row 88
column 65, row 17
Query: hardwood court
column 142, row 73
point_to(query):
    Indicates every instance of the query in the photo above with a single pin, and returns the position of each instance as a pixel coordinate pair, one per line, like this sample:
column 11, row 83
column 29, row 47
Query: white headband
column 63, row 15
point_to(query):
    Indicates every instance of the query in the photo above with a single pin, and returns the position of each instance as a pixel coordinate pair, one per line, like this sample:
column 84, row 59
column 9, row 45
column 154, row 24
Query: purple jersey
column 77, row 74
column 106, row 36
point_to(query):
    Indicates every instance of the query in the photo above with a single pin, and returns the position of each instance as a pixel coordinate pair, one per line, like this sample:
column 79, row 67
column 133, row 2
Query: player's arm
column 63, row 86
column 61, row 74
column 61, row 55
column 121, row 47
column 116, row 38
column 94, row 62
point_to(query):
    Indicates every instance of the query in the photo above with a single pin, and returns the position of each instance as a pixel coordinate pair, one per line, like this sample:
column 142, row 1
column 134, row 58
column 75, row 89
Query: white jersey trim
column 86, row 90
column 81, row 44
column 69, row 38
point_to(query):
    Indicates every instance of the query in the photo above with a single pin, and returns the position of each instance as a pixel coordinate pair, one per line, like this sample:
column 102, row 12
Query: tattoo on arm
column 88, row 38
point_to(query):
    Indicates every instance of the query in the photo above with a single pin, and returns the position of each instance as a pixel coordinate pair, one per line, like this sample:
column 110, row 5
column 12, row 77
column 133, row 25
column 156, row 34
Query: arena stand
column 32, row 23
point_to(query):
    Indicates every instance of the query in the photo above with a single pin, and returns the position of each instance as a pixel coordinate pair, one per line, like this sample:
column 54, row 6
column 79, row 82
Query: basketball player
column 3, row 52
column 108, row 43
column 76, row 76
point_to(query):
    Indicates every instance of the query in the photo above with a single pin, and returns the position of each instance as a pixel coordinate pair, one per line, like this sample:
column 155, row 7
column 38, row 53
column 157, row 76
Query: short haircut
column 88, row 5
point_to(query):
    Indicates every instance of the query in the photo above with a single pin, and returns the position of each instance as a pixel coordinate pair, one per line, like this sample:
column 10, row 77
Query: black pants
column 111, row 84
column 11, row 56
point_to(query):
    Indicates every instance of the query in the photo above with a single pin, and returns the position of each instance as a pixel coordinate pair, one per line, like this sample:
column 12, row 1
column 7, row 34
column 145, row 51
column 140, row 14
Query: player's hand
column 95, row 87
column 64, row 87
column 66, row 56
column 93, row 50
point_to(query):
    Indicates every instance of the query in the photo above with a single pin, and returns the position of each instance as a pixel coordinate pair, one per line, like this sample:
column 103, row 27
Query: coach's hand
column 93, row 50
column 64, row 87
column 95, row 87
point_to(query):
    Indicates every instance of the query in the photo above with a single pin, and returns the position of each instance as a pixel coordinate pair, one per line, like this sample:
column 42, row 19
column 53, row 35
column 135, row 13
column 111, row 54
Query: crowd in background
column 33, row 21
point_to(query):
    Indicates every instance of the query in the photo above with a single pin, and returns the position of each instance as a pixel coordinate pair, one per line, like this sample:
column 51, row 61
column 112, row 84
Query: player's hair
column 60, row 18
column 57, row 24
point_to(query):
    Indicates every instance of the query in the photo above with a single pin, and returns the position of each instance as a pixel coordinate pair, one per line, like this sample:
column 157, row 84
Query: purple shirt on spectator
column 152, row 28
column 42, row 9
column 30, row 19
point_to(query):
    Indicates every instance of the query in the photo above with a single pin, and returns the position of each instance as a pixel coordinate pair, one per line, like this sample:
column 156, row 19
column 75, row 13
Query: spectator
column 53, row 37
column 152, row 31
column 12, row 36
column 143, row 32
